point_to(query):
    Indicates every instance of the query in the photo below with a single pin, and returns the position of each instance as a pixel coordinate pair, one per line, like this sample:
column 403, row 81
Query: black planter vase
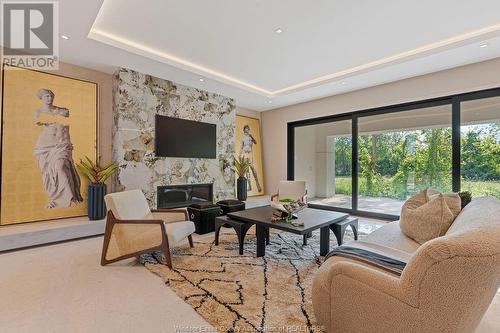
column 241, row 188
column 96, row 206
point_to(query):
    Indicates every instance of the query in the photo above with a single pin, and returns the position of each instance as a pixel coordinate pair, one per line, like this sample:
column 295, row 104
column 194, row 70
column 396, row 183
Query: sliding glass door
column 323, row 158
column 401, row 153
column 369, row 162
column 480, row 146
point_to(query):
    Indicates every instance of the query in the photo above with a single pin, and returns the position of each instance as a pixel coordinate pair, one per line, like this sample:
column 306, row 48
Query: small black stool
column 240, row 227
column 231, row 205
column 340, row 227
column 203, row 216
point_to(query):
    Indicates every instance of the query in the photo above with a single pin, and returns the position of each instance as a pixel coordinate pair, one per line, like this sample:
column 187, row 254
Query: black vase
column 96, row 205
column 241, row 188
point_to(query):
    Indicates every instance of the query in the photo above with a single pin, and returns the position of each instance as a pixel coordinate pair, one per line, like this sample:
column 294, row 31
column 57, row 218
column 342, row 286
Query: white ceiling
column 327, row 47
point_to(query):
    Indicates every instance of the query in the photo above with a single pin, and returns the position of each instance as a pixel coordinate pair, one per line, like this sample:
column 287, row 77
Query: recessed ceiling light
column 270, row 102
column 64, row 37
column 483, row 45
column 202, row 79
column 278, row 31
column 343, row 82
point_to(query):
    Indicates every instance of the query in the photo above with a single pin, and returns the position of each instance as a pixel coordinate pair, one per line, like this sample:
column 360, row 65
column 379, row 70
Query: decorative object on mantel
column 241, row 167
column 48, row 123
column 286, row 208
column 97, row 175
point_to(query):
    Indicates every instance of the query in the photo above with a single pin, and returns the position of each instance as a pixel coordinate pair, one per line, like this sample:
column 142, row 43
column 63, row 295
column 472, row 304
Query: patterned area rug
column 243, row 293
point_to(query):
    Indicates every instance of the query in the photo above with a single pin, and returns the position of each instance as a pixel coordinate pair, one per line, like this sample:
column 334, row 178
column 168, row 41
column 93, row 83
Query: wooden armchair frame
column 111, row 221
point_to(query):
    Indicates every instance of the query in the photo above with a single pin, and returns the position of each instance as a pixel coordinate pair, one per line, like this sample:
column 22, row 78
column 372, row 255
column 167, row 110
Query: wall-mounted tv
column 176, row 137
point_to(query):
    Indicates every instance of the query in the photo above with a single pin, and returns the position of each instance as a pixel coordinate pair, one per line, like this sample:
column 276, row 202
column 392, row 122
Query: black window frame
column 453, row 100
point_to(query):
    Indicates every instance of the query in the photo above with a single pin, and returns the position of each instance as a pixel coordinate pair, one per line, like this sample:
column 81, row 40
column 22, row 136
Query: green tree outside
column 399, row 164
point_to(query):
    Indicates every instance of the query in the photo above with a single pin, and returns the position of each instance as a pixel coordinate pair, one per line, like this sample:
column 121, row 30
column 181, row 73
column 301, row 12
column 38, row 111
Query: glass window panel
column 323, row 158
column 480, row 147
column 402, row 153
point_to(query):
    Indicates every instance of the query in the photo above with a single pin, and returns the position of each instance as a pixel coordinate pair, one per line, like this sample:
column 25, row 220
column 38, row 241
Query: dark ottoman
column 203, row 215
column 229, row 206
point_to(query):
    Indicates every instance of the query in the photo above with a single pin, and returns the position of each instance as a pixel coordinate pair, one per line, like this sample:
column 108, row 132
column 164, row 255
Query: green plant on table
column 96, row 173
column 287, row 204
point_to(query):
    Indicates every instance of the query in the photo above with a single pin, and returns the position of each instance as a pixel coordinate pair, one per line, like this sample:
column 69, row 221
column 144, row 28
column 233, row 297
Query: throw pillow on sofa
column 428, row 215
column 452, row 200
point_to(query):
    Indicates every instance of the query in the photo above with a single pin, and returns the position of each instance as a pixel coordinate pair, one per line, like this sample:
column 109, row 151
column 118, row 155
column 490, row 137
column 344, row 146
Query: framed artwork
column 49, row 122
column 249, row 145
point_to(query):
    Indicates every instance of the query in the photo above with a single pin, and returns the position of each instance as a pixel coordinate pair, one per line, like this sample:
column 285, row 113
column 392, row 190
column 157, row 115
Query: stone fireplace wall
column 137, row 99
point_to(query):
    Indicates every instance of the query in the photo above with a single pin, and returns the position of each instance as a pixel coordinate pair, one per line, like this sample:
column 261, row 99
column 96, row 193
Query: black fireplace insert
column 175, row 196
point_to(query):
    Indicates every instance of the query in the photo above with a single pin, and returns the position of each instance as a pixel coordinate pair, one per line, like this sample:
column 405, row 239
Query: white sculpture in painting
column 54, row 152
column 246, row 150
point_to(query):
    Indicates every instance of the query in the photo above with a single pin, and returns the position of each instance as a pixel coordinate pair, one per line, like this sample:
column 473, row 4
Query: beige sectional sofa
column 446, row 286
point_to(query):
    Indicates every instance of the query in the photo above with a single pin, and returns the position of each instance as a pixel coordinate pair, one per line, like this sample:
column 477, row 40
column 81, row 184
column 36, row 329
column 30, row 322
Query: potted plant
column 97, row 175
column 241, row 167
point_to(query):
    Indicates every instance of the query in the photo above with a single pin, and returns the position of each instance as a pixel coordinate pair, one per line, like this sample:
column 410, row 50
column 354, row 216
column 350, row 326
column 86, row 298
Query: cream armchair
column 446, row 286
column 291, row 189
column 133, row 229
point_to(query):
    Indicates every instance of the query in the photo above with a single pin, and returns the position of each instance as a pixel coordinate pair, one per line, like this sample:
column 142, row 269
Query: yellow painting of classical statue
column 49, row 124
column 249, row 145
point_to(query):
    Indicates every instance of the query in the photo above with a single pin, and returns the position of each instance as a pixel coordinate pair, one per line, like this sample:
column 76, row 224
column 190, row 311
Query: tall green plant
column 368, row 168
column 241, row 166
column 343, row 156
column 400, row 179
column 96, row 173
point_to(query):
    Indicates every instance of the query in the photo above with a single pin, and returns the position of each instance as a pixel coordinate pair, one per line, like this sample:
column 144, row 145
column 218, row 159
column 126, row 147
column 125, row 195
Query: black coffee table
column 239, row 227
column 312, row 218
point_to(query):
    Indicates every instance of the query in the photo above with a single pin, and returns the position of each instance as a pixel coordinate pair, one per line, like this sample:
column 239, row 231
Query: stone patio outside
column 369, row 204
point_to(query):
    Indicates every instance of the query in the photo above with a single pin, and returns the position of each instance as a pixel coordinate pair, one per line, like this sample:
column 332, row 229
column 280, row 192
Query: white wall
column 463, row 79
column 247, row 113
column 305, row 167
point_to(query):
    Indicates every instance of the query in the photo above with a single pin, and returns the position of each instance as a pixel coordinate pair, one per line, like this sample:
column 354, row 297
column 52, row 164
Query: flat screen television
column 176, row 137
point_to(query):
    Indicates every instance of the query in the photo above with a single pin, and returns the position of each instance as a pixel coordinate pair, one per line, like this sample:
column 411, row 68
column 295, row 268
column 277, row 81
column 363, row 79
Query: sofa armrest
column 171, row 215
column 343, row 286
column 370, row 276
